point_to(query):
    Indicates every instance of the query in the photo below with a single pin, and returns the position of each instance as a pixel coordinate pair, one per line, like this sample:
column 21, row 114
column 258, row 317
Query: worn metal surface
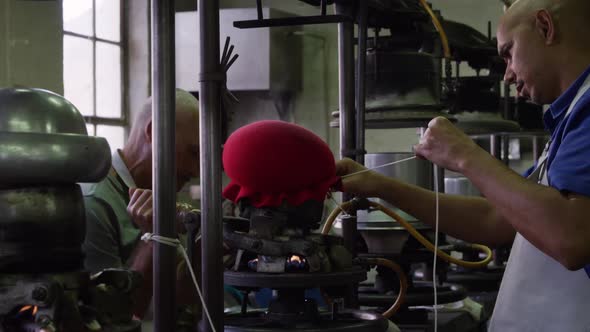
column 44, row 140
column 40, row 215
column 41, row 228
column 38, row 111
column 294, row 280
column 37, row 158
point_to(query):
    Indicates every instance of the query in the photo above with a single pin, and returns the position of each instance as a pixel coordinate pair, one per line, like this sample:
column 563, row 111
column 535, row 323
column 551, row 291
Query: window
column 94, row 66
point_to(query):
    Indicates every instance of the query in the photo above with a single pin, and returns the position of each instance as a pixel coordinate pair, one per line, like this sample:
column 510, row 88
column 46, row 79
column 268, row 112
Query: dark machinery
column 401, row 82
column 277, row 250
column 45, row 151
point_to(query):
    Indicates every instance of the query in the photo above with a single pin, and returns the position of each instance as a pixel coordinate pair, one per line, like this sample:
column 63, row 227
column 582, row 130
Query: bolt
column 40, row 294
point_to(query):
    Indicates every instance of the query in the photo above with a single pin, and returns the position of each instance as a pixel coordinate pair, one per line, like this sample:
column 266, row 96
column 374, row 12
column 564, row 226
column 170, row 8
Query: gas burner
column 293, row 263
column 280, row 240
column 72, row 301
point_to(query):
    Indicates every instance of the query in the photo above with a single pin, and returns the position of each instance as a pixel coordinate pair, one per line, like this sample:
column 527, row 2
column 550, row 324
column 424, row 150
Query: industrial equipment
column 45, row 151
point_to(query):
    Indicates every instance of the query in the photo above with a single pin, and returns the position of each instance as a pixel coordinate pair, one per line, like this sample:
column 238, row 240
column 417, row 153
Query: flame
column 295, row 259
column 32, row 308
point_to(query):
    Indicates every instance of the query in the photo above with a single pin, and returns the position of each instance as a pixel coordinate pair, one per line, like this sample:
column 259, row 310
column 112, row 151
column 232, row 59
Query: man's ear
column 148, row 131
column 545, row 26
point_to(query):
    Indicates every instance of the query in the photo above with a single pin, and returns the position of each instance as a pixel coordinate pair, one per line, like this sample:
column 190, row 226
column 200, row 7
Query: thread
column 435, row 307
column 384, row 165
column 434, row 286
column 176, row 243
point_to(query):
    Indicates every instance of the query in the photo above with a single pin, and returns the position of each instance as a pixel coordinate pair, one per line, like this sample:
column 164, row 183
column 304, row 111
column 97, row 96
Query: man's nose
column 509, row 76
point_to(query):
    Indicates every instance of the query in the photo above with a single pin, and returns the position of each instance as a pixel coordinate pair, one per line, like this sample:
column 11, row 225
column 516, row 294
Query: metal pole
column 210, row 115
column 163, row 161
column 346, row 103
column 361, row 65
column 346, row 89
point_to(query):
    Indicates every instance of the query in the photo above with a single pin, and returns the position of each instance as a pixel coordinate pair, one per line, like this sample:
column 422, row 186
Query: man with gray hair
column 119, row 208
column 546, row 46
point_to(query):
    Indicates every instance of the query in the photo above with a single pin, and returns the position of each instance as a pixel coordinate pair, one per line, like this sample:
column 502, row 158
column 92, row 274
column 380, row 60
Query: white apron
column 537, row 293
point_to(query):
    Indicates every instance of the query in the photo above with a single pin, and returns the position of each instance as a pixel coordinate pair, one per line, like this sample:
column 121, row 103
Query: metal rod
column 496, row 146
column 346, row 86
column 291, row 21
column 323, row 4
column 361, row 67
column 505, row 141
column 210, row 133
column 163, row 161
column 259, row 9
column 346, row 91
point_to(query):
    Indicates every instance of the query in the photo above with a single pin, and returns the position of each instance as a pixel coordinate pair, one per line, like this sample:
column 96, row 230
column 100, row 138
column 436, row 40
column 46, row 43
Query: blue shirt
column 568, row 159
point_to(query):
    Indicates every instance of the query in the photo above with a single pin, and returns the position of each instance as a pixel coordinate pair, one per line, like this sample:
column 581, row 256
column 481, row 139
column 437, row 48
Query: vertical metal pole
column 210, row 115
column 163, row 161
column 346, row 104
column 259, row 9
column 361, row 65
column 347, row 127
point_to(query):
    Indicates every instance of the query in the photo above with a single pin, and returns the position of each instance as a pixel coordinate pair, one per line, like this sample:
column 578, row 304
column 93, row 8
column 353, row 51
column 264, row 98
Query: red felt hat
column 270, row 161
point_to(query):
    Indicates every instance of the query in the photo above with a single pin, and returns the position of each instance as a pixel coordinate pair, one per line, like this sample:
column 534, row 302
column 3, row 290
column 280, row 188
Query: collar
column 560, row 105
column 122, row 170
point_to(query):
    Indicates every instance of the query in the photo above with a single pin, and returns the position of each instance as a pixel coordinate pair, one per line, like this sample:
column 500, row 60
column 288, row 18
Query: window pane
column 115, row 135
column 108, row 23
column 77, row 16
column 90, row 129
column 78, row 83
column 108, row 80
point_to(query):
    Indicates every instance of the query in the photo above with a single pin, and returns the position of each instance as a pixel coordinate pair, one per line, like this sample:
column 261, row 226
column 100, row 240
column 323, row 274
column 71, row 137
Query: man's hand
column 363, row 184
column 446, row 145
column 141, row 209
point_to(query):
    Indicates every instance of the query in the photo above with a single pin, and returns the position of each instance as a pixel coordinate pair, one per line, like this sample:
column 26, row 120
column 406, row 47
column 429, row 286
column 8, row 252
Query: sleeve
column 100, row 247
column 570, row 170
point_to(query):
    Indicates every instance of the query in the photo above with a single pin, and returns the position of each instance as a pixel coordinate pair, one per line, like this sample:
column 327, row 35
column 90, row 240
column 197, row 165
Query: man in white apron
column 546, row 46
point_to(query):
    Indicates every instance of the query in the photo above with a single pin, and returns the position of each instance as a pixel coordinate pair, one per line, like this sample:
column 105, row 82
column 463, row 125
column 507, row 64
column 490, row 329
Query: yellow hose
column 403, row 283
column 416, row 235
column 439, row 28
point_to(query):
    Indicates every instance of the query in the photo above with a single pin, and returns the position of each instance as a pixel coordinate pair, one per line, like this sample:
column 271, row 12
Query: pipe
column 163, row 162
column 332, row 217
column 361, row 65
column 439, row 28
column 210, row 142
column 403, row 283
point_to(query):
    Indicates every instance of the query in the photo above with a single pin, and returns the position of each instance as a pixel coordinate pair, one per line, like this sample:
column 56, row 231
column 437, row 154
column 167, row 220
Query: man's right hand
column 140, row 209
column 363, row 184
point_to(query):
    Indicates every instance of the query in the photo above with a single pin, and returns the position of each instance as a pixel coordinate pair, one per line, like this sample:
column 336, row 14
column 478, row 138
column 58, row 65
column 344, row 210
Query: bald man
column 119, row 208
column 546, row 46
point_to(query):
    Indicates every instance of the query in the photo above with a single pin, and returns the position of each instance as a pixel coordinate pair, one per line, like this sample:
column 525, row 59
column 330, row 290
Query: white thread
column 384, row 165
column 435, row 249
column 176, row 243
column 344, row 213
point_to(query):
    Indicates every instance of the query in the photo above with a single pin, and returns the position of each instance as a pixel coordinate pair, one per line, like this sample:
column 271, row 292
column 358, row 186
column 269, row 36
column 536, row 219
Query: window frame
column 95, row 120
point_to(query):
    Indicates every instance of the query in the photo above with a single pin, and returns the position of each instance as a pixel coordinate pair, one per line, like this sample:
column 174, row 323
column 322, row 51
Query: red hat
column 272, row 161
